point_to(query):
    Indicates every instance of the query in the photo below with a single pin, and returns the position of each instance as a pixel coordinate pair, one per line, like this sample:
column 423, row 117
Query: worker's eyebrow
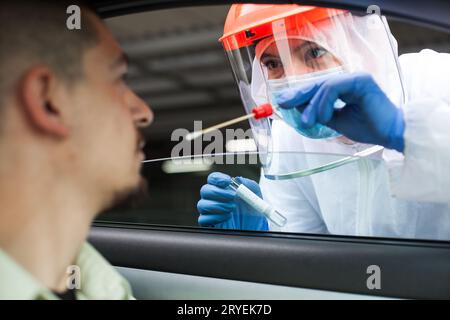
column 297, row 48
column 120, row 61
column 307, row 45
column 268, row 56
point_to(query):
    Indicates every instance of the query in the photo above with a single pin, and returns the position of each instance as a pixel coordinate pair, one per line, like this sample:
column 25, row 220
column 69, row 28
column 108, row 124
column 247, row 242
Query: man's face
column 105, row 120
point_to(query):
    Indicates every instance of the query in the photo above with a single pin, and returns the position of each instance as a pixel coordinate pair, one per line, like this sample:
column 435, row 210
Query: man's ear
column 39, row 99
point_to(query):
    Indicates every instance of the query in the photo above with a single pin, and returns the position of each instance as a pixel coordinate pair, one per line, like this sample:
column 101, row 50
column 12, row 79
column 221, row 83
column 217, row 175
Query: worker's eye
column 314, row 52
column 271, row 63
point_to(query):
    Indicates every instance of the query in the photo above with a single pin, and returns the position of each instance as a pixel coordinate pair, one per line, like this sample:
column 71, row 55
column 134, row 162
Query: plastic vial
column 257, row 203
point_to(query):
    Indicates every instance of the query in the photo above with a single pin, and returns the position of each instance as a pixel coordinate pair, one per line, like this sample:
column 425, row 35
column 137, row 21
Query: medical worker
column 338, row 86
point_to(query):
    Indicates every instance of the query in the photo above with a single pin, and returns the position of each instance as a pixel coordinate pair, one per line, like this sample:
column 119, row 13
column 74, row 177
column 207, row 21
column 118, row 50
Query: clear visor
column 295, row 53
column 292, row 55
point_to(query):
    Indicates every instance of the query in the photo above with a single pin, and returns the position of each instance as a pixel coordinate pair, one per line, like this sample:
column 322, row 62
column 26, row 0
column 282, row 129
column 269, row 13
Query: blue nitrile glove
column 368, row 116
column 220, row 208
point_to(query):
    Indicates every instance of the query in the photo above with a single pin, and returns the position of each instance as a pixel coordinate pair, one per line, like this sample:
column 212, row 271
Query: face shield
column 275, row 47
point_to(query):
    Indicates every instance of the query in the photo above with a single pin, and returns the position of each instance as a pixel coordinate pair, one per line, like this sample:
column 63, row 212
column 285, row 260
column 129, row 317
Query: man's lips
column 140, row 143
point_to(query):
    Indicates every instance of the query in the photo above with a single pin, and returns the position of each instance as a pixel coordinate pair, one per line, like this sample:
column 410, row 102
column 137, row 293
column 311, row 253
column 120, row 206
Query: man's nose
column 141, row 111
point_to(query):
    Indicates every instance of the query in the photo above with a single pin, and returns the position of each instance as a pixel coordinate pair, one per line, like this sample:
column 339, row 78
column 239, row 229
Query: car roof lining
column 431, row 13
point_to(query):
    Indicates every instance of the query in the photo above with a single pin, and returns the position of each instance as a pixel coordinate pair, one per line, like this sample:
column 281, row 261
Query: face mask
column 293, row 116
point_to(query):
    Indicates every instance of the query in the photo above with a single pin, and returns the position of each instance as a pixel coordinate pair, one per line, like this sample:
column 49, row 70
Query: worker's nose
column 297, row 67
column 141, row 111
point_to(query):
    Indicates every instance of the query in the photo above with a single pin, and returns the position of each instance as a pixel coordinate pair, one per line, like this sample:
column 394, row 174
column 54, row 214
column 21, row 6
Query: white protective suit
column 394, row 196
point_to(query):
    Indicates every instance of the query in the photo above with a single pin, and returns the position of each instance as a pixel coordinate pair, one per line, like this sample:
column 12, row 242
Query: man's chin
column 129, row 197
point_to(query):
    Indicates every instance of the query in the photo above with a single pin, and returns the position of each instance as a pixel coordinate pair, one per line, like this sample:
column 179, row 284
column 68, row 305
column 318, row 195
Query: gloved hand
column 368, row 116
column 219, row 207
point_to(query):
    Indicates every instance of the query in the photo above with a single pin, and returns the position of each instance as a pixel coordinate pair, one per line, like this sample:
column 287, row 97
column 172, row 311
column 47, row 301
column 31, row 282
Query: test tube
column 257, row 203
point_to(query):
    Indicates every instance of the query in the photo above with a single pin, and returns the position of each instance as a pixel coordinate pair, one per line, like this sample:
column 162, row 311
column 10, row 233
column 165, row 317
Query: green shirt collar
column 99, row 280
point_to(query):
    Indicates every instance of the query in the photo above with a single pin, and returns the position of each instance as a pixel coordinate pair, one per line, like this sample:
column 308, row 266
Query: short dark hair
column 36, row 32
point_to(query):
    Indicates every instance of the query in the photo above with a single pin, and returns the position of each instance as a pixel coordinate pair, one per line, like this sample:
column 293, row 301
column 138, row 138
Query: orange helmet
column 246, row 23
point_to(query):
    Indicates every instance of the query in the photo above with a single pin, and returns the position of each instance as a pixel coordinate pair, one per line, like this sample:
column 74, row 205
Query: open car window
column 178, row 66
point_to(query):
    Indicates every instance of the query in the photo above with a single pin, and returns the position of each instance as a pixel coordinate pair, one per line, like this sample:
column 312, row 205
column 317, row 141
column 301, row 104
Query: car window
column 180, row 69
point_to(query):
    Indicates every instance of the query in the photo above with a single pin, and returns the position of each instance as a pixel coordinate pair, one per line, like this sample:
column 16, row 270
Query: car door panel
column 319, row 262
